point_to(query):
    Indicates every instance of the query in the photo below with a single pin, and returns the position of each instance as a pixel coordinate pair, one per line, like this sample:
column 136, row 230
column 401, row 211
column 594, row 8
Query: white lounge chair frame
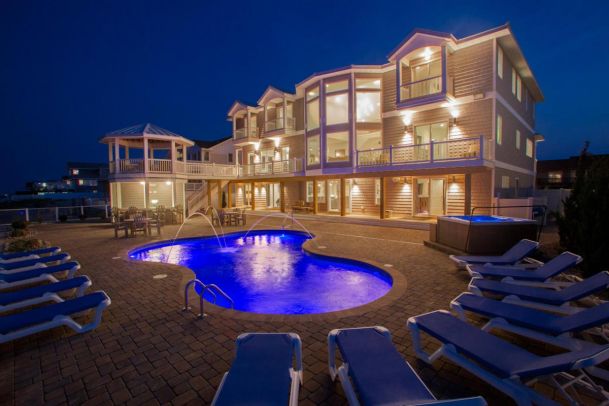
column 45, row 297
column 41, row 278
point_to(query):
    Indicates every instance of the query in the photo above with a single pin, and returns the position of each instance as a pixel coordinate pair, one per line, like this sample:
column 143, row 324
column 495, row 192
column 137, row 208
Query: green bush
column 584, row 224
column 24, row 244
column 19, row 225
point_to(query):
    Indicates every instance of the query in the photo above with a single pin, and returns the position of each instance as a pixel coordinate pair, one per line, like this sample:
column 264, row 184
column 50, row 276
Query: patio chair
column 33, row 263
column 24, row 255
column 503, row 365
column 54, row 315
column 512, row 256
column 549, row 298
column 380, row 375
column 219, row 219
column 139, row 225
column 40, row 274
column 43, row 293
column 515, row 274
column 263, row 371
column 240, row 218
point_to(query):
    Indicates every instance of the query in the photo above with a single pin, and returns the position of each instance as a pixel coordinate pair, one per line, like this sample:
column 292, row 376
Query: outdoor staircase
column 196, row 198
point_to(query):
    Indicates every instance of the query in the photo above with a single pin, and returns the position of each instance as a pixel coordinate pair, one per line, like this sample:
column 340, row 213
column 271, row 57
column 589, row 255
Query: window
column 500, row 62
column 75, row 171
column 425, row 79
column 206, row 156
column 368, row 100
column 505, row 182
column 313, row 150
column 377, row 192
column 529, row 150
column 321, row 191
column 517, row 139
column 518, row 88
column 368, row 140
column 230, row 157
column 312, row 99
column 309, row 197
column 554, row 177
column 499, row 130
column 337, row 102
column 337, row 146
column 513, row 81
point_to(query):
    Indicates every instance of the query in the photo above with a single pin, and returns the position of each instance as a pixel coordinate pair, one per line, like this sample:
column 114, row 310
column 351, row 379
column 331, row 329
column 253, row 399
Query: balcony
column 243, row 133
column 192, row 169
column 421, row 88
column 470, row 150
column 272, row 168
column 277, row 124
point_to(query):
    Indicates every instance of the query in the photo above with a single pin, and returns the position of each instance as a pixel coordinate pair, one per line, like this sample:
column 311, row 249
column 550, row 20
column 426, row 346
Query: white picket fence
column 53, row 214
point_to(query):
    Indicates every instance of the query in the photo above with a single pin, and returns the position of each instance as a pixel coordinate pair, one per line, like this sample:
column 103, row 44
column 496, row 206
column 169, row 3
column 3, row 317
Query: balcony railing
column 420, row 88
column 277, row 124
column 131, row 165
column 453, row 150
column 167, row 166
column 243, row 133
column 159, row 165
column 271, row 168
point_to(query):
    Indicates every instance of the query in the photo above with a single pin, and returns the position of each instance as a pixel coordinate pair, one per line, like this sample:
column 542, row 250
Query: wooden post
column 146, row 150
column 343, row 200
column 208, row 193
column 253, row 195
column 228, row 195
column 282, row 196
column 382, row 205
column 219, row 194
column 468, row 194
column 314, row 196
column 117, row 156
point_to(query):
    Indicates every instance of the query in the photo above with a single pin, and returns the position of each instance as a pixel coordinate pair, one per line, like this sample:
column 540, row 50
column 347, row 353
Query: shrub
column 24, row 244
column 19, row 225
column 584, row 224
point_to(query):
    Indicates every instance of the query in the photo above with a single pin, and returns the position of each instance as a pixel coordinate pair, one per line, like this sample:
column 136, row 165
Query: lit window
column 368, row 106
column 377, row 192
column 499, row 129
column 518, row 88
column 554, row 177
column 337, row 108
column 309, row 197
column 340, row 86
column 513, row 81
column 75, row 171
column 368, row 140
column 517, row 139
column 313, row 150
column 81, row 182
column 230, row 157
column 337, row 146
column 312, row 93
column 499, row 62
column 368, row 83
column 321, row 191
column 529, row 150
column 312, row 108
column 505, row 182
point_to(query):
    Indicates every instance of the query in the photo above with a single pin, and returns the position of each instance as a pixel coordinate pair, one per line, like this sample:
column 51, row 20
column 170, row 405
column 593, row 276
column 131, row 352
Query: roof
column 272, row 92
column 147, row 128
column 205, row 144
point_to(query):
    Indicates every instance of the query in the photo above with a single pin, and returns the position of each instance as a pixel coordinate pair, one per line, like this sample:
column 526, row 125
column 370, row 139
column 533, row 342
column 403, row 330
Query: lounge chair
column 379, row 373
column 515, row 274
column 24, row 255
column 512, row 256
column 548, row 298
column 54, row 315
column 45, row 273
column 263, row 372
column 34, row 262
column 43, row 293
column 503, row 365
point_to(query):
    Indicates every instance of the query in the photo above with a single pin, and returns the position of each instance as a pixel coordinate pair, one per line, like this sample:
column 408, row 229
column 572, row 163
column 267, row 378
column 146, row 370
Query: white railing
column 453, row 150
column 278, row 124
column 54, row 214
column 213, row 170
column 242, row 132
column 159, row 165
column 420, row 88
column 131, row 165
column 293, row 165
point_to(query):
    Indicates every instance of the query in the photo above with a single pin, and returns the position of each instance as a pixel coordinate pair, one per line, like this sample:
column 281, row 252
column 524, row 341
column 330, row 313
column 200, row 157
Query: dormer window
column 421, row 73
column 279, row 114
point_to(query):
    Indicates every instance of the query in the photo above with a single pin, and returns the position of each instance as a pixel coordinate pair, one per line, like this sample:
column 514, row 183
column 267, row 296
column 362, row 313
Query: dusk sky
column 71, row 71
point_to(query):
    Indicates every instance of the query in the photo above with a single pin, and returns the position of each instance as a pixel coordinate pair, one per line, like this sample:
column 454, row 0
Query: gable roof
column 272, row 92
column 206, row 144
column 238, row 105
column 148, row 130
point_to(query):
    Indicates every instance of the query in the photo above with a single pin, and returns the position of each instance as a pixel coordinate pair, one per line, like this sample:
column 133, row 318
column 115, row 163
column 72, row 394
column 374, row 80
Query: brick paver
column 147, row 351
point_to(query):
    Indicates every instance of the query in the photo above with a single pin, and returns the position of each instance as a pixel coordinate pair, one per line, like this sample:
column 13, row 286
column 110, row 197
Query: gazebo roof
column 146, row 130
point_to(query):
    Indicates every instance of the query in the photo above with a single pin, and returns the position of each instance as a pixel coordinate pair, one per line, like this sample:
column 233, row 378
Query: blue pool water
column 268, row 272
column 485, row 219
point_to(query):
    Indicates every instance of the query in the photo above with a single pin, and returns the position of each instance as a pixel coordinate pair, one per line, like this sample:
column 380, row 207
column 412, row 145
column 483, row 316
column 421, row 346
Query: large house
column 444, row 126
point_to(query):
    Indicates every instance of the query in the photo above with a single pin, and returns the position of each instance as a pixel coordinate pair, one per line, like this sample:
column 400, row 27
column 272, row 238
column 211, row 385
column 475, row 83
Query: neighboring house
column 219, row 151
column 444, row 126
column 560, row 173
column 87, row 177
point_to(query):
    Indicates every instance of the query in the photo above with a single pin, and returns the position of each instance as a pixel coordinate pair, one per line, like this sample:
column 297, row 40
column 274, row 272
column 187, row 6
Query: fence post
column 106, row 209
column 390, row 155
column 82, row 210
column 57, row 214
column 27, row 214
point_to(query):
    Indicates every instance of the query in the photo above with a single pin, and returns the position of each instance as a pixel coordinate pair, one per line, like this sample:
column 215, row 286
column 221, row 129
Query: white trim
column 514, row 168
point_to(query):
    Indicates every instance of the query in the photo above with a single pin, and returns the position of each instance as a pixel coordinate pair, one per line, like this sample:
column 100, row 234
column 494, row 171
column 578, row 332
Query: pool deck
column 147, row 351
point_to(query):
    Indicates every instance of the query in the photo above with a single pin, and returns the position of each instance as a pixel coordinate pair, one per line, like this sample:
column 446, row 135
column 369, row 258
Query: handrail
column 421, row 80
column 204, row 288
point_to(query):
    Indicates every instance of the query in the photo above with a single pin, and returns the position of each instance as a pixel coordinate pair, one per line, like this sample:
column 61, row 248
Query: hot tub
column 482, row 234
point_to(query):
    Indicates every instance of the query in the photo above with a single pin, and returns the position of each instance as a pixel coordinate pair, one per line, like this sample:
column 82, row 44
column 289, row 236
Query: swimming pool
column 268, row 272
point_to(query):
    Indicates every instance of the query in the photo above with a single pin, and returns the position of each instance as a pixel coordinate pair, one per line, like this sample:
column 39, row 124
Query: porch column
column 117, row 156
column 467, row 209
column 146, row 155
column 253, row 198
column 282, row 196
column 110, row 152
column 314, row 196
column 228, row 195
column 127, row 152
column 219, row 183
column 146, row 195
column 343, row 200
column 208, row 193
column 173, row 156
column 382, row 205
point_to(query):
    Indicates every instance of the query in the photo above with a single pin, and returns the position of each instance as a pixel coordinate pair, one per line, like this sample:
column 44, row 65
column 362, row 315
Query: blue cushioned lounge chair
column 32, row 254
column 377, row 370
column 531, row 277
column 512, row 256
column 263, row 372
column 549, row 298
column 33, row 263
column 54, row 315
column 45, row 273
column 43, row 293
column 506, row 366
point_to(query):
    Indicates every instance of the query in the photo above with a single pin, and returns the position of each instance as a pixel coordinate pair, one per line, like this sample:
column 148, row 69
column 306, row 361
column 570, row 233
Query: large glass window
column 368, row 140
column 340, row 86
column 313, row 150
column 309, row 197
column 312, row 99
column 529, row 148
column 337, row 102
column 499, row 130
column 337, row 146
column 368, row 100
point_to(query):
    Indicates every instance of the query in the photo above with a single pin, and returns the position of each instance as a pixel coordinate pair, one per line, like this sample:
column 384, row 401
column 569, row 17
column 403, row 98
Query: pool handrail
column 212, row 288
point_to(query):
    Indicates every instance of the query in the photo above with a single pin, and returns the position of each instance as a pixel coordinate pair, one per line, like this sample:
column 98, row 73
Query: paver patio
column 147, row 351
